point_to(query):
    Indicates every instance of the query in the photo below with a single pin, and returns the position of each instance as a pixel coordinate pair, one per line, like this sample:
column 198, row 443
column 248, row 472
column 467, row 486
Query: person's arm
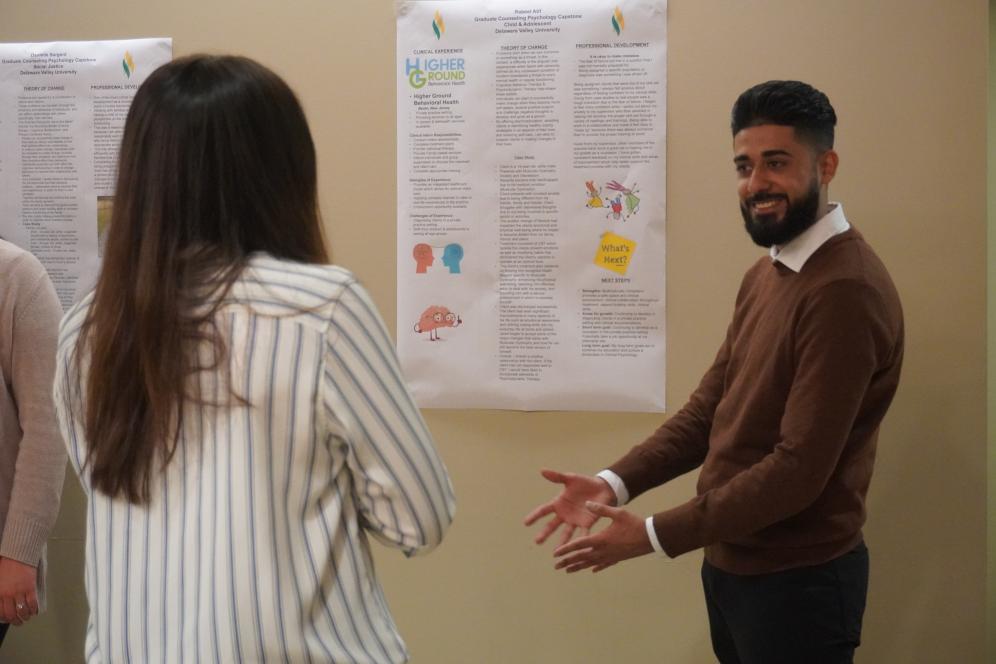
column 676, row 447
column 41, row 458
column 404, row 495
column 844, row 336
column 680, row 444
column 834, row 368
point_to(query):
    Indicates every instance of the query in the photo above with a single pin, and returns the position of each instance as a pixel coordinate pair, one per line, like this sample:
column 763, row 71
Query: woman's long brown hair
column 216, row 162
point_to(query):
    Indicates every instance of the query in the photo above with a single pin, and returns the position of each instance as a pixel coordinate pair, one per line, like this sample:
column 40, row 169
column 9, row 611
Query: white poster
column 531, row 145
column 62, row 110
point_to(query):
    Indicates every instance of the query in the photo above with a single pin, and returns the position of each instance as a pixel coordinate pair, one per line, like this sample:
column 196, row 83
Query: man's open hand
column 569, row 508
column 626, row 537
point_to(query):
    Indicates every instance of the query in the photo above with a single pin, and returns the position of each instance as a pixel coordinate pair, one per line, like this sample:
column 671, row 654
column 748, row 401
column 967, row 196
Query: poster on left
column 62, row 110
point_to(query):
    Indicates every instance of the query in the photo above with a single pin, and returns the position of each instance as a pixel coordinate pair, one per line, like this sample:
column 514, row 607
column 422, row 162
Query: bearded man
column 784, row 423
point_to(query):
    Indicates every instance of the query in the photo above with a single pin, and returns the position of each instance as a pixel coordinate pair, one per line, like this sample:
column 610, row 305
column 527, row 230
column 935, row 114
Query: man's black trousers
column 809, row 615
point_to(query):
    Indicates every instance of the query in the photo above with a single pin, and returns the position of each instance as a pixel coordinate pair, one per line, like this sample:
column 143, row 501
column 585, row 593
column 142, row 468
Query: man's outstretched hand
column 626, row 537
column 569, row 508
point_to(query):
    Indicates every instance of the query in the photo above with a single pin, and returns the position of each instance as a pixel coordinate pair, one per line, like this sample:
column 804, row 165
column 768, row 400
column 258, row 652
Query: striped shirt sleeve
column 402, row 490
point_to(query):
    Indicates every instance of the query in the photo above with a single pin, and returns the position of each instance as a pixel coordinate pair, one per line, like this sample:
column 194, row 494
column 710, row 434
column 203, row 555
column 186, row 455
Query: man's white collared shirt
column 794, row 253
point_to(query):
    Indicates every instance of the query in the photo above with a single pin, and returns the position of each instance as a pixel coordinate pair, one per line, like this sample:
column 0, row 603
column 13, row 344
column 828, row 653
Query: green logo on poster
column 128, row 64
column 437, row 25
column 618, row 24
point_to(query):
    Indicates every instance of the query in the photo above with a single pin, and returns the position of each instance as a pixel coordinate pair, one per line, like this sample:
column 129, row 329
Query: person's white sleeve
column 618, row 486
column 403, row 492
column 652, row 534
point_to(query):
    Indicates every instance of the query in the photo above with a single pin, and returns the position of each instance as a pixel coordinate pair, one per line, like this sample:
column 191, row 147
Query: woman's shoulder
column 27, row 292
column 273, row 281
column 18, row 266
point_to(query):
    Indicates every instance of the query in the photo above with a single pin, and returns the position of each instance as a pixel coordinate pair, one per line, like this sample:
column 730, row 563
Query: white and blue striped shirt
column 254, row 545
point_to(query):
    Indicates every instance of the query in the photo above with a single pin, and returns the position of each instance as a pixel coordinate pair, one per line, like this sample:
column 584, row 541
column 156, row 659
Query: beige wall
column 908, row 80
column 991, row 338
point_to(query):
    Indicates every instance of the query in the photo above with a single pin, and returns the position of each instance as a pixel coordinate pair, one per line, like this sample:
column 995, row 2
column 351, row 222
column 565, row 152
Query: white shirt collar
column 794, row 253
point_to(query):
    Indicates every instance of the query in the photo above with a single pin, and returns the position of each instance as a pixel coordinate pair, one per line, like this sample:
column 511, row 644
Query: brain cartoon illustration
column 434, row 318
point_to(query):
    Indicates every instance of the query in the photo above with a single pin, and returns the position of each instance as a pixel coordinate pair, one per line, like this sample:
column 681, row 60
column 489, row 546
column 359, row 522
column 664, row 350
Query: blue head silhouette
column 452, row 255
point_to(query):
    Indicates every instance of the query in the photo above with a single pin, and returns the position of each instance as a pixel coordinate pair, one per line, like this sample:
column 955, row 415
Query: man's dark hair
column 788, row 103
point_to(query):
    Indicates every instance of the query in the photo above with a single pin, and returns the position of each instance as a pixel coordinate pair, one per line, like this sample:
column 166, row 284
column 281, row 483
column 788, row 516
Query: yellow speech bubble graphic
column 614, row 252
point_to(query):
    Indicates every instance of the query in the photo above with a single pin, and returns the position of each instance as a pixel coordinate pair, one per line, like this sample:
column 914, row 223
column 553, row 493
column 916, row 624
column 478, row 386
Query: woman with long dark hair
column 233, row 405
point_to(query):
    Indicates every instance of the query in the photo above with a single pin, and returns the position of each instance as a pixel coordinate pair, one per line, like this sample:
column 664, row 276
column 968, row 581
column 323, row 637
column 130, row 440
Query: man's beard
column 766, row 231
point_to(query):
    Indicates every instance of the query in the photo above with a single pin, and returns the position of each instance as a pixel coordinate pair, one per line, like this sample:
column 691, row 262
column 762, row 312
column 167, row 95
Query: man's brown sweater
column 785, row 422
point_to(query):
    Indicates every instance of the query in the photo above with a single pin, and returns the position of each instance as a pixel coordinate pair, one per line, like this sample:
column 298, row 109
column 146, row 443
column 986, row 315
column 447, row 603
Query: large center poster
column 531, row 145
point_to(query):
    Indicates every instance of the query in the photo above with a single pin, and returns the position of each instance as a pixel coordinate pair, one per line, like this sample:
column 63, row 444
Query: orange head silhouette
column 422, row 253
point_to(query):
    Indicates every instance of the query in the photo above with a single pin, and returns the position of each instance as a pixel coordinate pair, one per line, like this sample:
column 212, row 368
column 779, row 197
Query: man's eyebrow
column 767, row 154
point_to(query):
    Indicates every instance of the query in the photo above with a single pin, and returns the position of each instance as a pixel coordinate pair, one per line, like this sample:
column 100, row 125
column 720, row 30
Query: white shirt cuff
column 622, row 495
column 652, row 534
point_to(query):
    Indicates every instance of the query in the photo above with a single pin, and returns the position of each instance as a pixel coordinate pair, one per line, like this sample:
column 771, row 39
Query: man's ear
column 828, row 166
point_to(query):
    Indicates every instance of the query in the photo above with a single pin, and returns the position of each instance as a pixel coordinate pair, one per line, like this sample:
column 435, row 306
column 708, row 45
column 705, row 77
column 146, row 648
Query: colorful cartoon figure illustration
column 632, row 200
column 616, row 204
column 422, row 253
column 434, row 318
column 594, row 195
column 452, row 255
